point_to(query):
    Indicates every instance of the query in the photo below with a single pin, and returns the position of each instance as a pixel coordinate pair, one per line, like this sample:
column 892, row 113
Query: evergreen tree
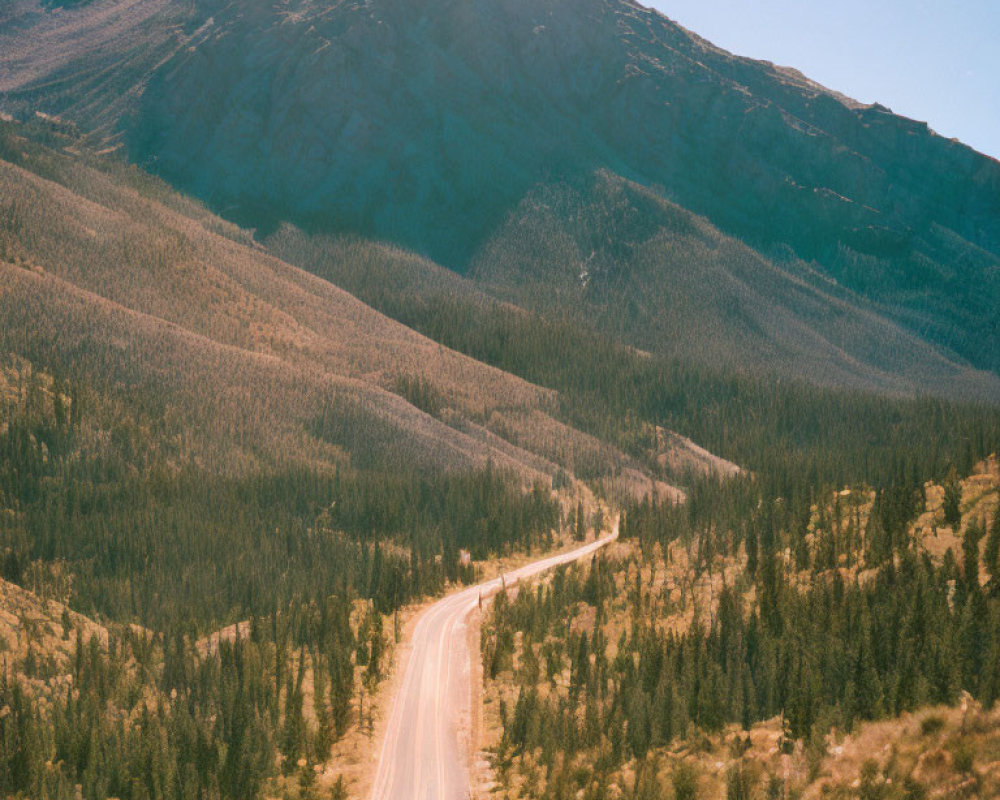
column 991, row 557
column 952, row 499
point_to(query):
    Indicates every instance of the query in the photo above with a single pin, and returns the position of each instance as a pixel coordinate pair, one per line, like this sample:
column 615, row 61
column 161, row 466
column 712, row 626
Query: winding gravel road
column 421, row 756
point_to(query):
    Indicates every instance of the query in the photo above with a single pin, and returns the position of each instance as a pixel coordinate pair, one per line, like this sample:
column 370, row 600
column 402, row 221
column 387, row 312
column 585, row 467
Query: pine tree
column 865, row 696
column 952, row 499
column 579, row 527
column 639, row 729
column 685, row 781
column 970, row 555
column 293, row 735
column 991, row 558
column 973, row 640
column 741, row 782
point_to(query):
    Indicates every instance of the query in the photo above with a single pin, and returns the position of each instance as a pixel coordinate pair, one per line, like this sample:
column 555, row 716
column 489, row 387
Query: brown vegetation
column 153, row 291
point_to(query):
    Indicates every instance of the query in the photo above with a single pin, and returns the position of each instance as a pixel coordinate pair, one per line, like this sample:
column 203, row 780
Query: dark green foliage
column 158, row 543
column 895, row 505
column 931, row 725
column 741, row 782
column 788, row 432
column 974, row 533
column 991, row 557
column 685, row 781
column 834, row 653
column 210, row 549
column 421, row 393
column 952, row 499
column 211, row 738
column 963, row 759
column 182, row 549
column 214, row 730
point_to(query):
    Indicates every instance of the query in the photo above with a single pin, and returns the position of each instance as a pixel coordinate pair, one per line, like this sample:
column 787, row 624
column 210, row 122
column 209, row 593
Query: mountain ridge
column 428, row 126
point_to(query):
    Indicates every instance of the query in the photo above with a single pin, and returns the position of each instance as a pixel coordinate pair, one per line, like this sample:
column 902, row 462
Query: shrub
column 962, row 756
column 685, row 781
column 931, row 725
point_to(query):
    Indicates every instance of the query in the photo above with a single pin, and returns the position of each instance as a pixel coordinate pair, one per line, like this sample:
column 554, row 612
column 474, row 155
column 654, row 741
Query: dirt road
column 421, row 757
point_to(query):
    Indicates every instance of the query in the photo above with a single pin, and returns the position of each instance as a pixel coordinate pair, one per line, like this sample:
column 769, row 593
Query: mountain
column 668, row 281
column 252, row 362
column 311, row 312
column 436, row 126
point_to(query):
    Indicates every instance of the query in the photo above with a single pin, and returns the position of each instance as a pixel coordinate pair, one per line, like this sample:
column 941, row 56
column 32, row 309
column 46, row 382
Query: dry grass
column 45, row 626
column 897, row 751
column 980, row 503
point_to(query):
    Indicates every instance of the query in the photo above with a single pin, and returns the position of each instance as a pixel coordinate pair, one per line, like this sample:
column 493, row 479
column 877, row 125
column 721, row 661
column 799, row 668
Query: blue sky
column 934, row 61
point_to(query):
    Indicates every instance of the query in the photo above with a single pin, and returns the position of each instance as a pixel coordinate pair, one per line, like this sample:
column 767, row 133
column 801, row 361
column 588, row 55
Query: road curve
column 421, row 758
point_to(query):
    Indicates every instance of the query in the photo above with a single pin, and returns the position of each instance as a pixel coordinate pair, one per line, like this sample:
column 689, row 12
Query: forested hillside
column 621, row 257
column 110, row 273
column 653, row 670
column 194, row 435
column 785, row 430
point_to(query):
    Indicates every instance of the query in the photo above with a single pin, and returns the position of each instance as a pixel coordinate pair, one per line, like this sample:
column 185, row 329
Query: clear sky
column 938, row 62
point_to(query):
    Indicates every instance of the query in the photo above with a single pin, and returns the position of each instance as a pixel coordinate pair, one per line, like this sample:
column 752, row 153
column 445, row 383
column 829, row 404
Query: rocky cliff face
column 428, row 123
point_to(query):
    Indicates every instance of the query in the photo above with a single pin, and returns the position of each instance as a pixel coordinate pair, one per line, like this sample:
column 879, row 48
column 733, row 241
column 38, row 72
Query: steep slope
column 426, row 124
column 108, row 273
column 612, row 256
column 618, row 255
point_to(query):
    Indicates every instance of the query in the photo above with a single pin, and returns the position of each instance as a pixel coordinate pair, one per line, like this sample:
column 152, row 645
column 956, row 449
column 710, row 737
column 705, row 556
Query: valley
column 495, row 399
column 422, row 754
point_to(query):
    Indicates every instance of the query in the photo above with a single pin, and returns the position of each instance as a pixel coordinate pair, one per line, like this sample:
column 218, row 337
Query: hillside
column 628, row 261
column 68, row 684
column 436, row 126
column 152, row 347
column 168, row 387
column 144, row 288
column 843, row 649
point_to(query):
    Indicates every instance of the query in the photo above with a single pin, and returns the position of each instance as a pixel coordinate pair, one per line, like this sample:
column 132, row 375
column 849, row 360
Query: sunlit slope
column 109, row 272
